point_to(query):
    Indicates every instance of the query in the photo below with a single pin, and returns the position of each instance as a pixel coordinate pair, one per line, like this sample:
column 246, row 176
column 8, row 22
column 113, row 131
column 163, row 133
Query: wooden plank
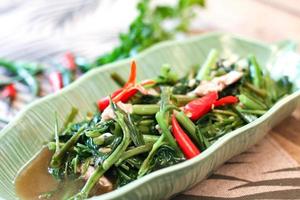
column 249, row 18
column 290, row 6
column 287, row 134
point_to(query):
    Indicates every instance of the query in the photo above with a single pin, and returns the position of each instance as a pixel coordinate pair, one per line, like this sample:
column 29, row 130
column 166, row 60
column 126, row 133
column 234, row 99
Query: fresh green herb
column 148, row 29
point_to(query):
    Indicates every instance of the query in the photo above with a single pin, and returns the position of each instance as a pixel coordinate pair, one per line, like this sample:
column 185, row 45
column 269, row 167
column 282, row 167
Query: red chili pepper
column 56, row 80
column 125, row 93
column 225, row 101
column 199, row 107
column 69, row 61
column 132, row 77
column 188, row 148
column 104, row 102
column 131, row 91
column 128, row 85
column 9, row 92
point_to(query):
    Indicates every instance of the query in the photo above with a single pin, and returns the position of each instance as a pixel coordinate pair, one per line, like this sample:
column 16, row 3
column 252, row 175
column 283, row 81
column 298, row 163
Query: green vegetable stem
column 162, row 118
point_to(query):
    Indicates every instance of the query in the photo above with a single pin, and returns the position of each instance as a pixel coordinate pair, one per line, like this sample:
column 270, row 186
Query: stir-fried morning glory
column 156, row 123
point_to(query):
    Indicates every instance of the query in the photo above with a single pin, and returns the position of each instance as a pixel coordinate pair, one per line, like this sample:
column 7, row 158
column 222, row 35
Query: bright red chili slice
column 128, row 85
column 125, row 93
column 188, row 148
column 104, row 102
column 226, row 100
column 131, row 91
column 199, row 107
column 9, row 91
column 56, row 80
column 132, row 76
column 69, row 61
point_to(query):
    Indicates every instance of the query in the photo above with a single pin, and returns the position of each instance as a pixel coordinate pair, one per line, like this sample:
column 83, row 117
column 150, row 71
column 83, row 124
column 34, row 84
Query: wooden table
column 268, row 20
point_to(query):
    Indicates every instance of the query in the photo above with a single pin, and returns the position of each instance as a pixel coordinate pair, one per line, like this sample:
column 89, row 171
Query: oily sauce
column 34, row 181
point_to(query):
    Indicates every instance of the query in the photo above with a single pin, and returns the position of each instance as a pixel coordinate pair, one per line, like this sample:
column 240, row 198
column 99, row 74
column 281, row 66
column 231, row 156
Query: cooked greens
column 146, row 126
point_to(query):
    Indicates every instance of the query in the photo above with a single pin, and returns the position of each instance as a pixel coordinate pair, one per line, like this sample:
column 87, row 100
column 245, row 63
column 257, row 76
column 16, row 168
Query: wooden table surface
column 267, row 20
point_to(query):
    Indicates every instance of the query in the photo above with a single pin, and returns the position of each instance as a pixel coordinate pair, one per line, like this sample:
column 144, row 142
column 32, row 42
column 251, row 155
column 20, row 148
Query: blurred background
column 42, row 32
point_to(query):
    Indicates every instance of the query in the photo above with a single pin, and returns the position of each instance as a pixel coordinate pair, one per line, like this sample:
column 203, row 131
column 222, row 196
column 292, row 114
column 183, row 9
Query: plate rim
column 194, row 161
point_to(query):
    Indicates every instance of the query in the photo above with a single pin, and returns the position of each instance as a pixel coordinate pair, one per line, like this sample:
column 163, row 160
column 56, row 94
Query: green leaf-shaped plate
column 24, row 137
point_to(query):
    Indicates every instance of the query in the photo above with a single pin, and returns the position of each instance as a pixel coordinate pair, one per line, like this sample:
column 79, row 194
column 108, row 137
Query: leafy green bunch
column 148, row 29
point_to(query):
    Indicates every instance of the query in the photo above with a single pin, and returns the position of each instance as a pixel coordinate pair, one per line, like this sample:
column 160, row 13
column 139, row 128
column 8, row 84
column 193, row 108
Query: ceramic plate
column 24, row 137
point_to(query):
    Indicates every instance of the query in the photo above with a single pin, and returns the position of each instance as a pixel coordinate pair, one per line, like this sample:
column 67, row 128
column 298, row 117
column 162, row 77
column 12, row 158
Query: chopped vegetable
column 199, row 107
column 257, row 73
column 104, row 102
column 162, row 118
column 56, row 80
column 9, row 92
column 69, row 61
column 137, row 131
column 186, row 145
column 188, row 125
column 127, row 91
column 207, row 66
column 25, row 72
column 225, row 101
